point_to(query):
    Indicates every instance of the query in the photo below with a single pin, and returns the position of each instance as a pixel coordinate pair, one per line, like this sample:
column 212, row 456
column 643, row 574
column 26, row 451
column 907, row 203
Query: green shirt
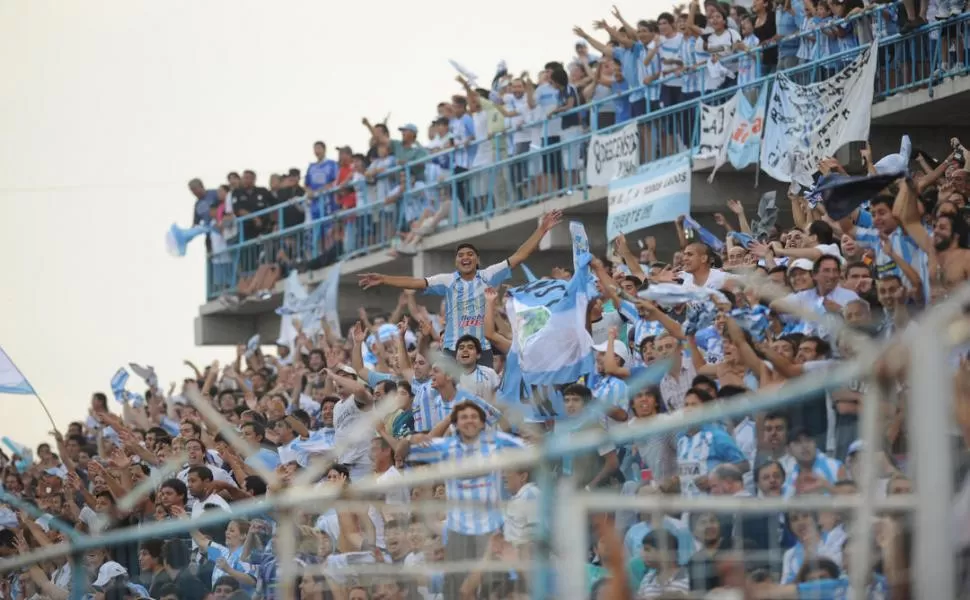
column 407, row 155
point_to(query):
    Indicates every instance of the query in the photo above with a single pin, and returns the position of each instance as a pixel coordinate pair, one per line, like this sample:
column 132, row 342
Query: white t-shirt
column 211, row 500
column 522, row 515
column 397, row 496
column 716, row 279
column 346, row 414
column 520, row 106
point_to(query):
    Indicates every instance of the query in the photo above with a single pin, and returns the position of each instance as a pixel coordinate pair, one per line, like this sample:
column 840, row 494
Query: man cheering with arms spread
column 464, row 290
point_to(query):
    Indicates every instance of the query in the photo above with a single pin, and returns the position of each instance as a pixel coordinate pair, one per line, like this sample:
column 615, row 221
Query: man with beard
column 949, row 263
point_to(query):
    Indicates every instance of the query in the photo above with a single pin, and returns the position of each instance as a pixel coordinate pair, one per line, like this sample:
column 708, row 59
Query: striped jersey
column 610, row 392
column 692, row 52
column 422, row 405
column 794, row 557
column 653, row 68
column 485, row 489
column 670, row 58
column 653, row 587
column 441, row 408
column 462, row 131
column 465, row 301
column 233, row 559
column 825, row 467
column 701, row 452
column 904, row 246
column 481, row 381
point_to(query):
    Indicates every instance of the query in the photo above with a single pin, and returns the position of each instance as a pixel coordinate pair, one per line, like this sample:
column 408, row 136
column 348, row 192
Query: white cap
column 619, row 349
column 107, row 572
column 347, row 370
column 801, row 263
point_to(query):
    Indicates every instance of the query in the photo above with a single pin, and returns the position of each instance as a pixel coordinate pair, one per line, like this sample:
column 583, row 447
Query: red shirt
column 346, row 199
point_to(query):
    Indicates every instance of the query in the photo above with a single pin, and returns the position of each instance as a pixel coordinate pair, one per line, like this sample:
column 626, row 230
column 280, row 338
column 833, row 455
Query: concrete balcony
column 929, row 117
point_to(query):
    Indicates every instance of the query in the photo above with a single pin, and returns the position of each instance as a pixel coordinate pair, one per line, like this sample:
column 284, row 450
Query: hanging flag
column 806, row 123
column 551, row 314
column 743, row 146
column 659, row 193
column 842, row 194
column 529, row 275
column 12, row 381
column 118, row 383
column 309, row 307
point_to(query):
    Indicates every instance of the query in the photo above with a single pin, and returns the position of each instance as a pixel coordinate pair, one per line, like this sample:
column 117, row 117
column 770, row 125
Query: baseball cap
column 409, row 127
column 801, row 263
column 347, row 370
column 107, row 572
column 619, row 350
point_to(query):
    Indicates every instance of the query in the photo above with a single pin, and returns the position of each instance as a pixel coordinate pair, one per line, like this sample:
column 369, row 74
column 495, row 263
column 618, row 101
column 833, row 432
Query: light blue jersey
column 905, row 247
column 465, row 301
column 701, row 452
column 483, row 490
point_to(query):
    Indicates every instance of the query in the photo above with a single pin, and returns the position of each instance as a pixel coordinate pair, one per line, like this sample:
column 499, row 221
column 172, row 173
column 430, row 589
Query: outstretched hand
column 369, row 280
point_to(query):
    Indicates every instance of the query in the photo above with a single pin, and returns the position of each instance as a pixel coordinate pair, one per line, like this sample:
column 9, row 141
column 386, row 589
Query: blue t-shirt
column 838, row 589
column 321, row 174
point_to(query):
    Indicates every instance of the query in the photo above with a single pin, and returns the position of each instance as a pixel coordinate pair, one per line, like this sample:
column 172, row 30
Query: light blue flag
column 745, row 150
column 252, row 345
column 26, row 454
column 580, row 244
column 529, row 275
column 12, row 381
column 703, row 234
column 550, row 344
column 118, row 384
column 659, row 193
column 742, row 238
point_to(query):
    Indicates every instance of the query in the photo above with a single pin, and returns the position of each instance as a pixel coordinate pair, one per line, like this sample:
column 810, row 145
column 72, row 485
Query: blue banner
column 659, row 193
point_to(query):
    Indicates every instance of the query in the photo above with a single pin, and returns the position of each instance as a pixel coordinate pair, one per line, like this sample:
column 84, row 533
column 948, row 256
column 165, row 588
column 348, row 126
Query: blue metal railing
column 919, row 59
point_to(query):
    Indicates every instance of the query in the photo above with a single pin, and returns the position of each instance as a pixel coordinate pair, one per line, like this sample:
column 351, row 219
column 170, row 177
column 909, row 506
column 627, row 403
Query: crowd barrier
column 933, row 556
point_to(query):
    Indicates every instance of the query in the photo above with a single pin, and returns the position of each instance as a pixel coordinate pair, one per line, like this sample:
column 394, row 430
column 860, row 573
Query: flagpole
column 5, row 358
column 46, row 411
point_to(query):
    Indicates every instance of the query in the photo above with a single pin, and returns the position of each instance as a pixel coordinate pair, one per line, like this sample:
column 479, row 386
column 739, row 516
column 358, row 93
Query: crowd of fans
column 434, row 382
column 635, row 69
column 430, row 386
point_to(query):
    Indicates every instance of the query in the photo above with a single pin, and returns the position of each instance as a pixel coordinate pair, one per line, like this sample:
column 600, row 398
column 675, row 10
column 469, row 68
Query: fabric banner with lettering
column 613, row 155
column 658, row 194
column 805, row 124
column 716, row 128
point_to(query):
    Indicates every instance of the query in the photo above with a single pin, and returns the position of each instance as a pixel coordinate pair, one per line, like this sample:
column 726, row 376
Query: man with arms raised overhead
column 464, row 290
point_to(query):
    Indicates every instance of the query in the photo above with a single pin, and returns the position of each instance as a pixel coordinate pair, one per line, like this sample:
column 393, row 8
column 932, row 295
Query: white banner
column 805, row 124
column 613, row 155
column 309, row 308
column 716, row 128
column 658, row 194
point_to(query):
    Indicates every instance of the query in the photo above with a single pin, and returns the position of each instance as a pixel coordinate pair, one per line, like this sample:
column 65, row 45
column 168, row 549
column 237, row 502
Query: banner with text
column 613, row 155
column 715, row 128
column 805, row 124
column 658, row 194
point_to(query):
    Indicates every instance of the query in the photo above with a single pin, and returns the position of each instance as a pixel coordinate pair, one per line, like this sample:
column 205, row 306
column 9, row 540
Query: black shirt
column 250, row 200
column 292, row 216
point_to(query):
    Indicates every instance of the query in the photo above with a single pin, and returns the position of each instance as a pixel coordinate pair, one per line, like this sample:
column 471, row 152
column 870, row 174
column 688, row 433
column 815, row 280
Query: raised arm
column 491, row 334
column 549, row 220
column 605, row 50
column 369, row 280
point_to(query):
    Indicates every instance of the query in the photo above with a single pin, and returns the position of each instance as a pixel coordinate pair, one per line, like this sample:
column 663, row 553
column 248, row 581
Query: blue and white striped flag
column 549, row 338
column 580, row 243
column 529, row 275
column 12, row 381
column 26, row 454
column 674, row 294
column 703, row 234
column 118, row 383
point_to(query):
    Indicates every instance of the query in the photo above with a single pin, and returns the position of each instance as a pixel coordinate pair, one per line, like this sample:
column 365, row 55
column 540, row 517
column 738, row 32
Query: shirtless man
column 949, row 264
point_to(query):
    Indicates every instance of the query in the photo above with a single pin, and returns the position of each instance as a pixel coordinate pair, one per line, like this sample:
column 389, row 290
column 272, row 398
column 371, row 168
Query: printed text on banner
column 658, row 194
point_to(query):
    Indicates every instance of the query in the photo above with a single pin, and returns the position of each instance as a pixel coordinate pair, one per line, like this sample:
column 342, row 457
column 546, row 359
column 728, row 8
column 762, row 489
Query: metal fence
column 564, row 510
column 921, row 59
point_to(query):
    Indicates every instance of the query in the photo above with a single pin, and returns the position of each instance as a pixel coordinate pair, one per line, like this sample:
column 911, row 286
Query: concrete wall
column 930, row 118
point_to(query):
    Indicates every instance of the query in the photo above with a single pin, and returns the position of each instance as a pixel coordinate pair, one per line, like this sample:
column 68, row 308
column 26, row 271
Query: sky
column 108, row 108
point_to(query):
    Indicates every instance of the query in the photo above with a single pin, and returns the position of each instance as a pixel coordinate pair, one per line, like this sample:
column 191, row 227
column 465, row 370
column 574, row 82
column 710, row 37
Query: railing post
column 932, row 464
